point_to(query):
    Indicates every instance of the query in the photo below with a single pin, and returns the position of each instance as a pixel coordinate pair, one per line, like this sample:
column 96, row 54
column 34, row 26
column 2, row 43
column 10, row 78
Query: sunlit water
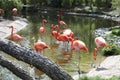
column 82, row 27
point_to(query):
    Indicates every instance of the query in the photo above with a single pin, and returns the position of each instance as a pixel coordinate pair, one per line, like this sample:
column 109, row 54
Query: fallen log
column 15, row 69
column 28, row 55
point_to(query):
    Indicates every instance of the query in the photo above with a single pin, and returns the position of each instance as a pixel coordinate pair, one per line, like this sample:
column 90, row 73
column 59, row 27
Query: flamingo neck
column 43, row 23
column 12, row 31
column 58, row 18
column 52, row 27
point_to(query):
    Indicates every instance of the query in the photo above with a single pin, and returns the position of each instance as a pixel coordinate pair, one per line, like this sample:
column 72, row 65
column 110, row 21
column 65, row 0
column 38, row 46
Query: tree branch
column 54, row 71
column 16, row 70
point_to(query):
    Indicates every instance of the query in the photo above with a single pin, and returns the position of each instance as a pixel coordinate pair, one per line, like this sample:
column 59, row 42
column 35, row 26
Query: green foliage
column 111, row 50
column 116, row 32
column 70, row 3
column 8, row 5
column 116, row 4
column 39, row 3
column 98, row 78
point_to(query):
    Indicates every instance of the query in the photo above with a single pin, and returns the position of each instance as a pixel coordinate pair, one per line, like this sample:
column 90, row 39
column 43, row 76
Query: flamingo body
column 40, row 46
column 99, row 41
column 62, row 23
column 17, row 37
column 62, row 37
column 68, row 32
column 79, row 45
column 42, row 30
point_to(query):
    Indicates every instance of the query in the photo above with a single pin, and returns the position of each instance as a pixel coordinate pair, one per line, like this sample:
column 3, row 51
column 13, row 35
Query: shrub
column 8, row 5
column 116, row 32
column 111, row 50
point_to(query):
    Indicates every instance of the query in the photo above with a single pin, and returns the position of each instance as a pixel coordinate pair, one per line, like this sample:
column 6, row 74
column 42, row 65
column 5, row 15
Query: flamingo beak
column 106, row 45
column 48, row 47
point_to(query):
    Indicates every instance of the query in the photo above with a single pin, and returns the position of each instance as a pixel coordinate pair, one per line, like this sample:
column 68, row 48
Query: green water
column 82, row 27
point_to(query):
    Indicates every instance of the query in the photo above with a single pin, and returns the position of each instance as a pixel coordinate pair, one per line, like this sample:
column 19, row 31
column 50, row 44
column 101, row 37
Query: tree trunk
column 16, row 70
column 54, row 71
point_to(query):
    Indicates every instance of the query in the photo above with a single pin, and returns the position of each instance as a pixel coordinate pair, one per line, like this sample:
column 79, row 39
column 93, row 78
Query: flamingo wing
column 17, row 37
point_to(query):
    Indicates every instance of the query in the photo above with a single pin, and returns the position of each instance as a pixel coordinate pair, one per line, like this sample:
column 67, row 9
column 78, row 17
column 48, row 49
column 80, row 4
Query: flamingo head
column 44, row 20
column 11, row 26
column 58, row 15
column 46, row 47
column 14, row 10
column 105, row 44
column 85, row 49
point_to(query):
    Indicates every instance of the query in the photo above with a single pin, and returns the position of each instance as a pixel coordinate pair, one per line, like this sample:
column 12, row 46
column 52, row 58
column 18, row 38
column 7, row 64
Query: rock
column 108, row 68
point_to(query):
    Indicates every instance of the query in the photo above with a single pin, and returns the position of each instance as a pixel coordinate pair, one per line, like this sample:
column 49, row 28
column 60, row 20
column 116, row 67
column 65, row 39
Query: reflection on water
column 82, row 27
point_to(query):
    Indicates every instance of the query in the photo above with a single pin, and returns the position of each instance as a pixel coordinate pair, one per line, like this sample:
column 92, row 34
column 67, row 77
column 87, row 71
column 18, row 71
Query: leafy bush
column 111, row 50
column 116, row 32
column 8, row 5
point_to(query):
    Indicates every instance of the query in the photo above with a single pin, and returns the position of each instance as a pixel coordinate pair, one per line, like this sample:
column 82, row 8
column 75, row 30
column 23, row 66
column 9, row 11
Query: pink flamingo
column 14, row 10
column 68, row 32
column 100, row 42
column 54, row 32
column 79, row 45
column 40, row 46
column 62, row 23
column 42, row 28
column 15, row 37
column 61, row 37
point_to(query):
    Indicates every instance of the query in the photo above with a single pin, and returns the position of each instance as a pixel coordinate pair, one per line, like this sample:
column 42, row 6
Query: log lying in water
column 54, row 71
column 15, row 69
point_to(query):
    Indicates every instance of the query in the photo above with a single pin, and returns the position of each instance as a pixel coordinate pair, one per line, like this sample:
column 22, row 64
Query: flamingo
column 62, row 23
column 58, row 36
column 42, row 28
column 68, row 32
column 14, row 10
column 54, row 33
column 99, row 41
column 15, row 37
column 79, row 45
column 40, row 46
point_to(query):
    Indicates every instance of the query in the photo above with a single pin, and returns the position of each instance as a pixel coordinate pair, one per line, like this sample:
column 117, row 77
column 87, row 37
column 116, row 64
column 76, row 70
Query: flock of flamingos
column 61, row 34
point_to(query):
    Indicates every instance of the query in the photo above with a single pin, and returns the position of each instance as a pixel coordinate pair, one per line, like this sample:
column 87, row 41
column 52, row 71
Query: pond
column 82, row 27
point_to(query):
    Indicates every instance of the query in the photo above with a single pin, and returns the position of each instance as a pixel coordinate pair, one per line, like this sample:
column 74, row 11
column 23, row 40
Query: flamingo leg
column 79, row 71
column 42, row 51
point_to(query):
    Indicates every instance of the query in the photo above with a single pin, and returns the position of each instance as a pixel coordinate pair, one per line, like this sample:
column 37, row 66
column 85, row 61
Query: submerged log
column 28, row 55
column 15, row 69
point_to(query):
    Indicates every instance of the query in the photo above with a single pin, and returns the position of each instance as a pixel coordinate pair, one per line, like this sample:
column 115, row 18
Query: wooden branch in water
column 54, row 71
column 16, row 70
